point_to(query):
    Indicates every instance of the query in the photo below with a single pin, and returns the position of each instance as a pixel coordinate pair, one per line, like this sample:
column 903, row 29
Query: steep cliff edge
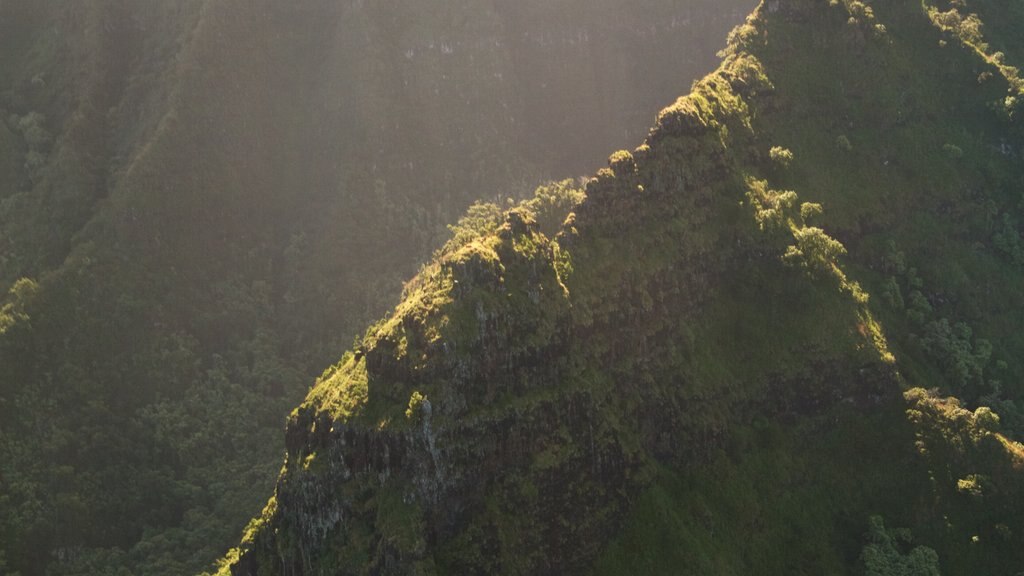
column 691, row 338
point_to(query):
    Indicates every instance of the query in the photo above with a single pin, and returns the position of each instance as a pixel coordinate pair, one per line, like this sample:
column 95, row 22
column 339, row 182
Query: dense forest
column 781, row 336
column 778, row 335
column 203, row 202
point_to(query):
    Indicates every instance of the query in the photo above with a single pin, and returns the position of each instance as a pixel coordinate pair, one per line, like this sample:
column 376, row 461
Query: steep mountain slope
column 200, row 201
column 689, row 375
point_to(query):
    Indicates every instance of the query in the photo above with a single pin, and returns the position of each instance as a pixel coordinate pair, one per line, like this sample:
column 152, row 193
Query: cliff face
column 207, row 198
column 690, row 335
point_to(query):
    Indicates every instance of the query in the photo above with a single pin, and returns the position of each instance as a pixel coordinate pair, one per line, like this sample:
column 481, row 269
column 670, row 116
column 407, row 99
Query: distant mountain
column 202, row 201
column 782, row 336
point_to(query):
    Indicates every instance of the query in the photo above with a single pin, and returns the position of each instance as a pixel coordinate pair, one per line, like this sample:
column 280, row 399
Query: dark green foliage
column 882, row 555
column 892, row 294
column 1007, row 239
column 954, row 348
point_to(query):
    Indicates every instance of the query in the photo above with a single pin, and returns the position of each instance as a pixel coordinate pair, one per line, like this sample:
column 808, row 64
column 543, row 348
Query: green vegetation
column 781, row 156
column 211, row 199
column 710, row 388
column 673, row 367
column 882, row 555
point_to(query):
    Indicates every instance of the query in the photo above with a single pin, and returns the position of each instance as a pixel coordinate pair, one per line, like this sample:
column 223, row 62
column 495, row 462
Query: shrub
column 809, row 210
column 782, row 157
column 622, row 163
column 416, row 401
column 814, row 250
column 986, row 419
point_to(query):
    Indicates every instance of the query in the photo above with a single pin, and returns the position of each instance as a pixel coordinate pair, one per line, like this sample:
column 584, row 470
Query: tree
column 814, row 250
column 882, row 556
column 783, row 157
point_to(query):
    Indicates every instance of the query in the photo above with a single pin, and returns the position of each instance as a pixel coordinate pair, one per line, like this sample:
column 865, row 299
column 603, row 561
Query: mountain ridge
column 705, row 307
column 201, row 201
